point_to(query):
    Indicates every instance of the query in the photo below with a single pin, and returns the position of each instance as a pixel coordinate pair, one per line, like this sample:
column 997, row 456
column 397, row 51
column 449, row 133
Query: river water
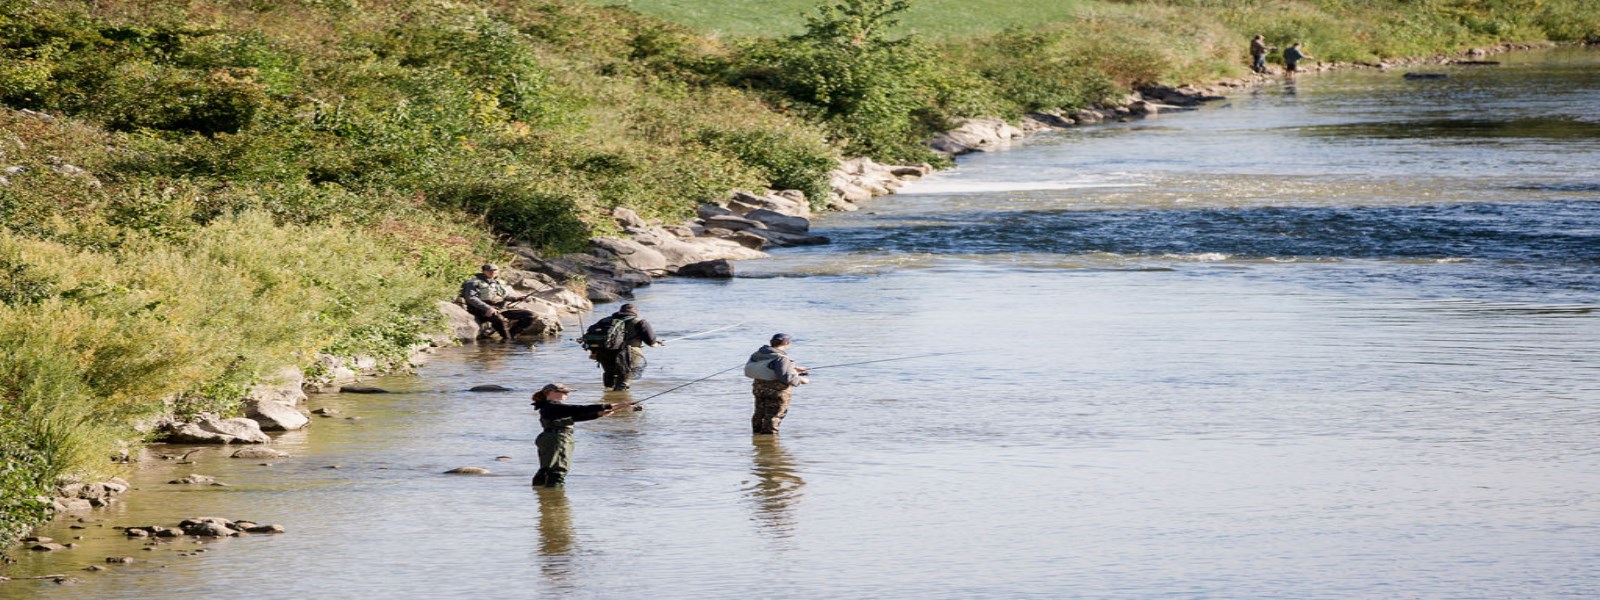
column 1331, row 339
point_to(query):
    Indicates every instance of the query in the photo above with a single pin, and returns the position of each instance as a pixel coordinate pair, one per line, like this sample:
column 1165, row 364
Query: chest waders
column 555, row 446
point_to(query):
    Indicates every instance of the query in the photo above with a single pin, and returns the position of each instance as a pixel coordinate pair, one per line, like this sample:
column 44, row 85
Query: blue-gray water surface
column 1329, row 339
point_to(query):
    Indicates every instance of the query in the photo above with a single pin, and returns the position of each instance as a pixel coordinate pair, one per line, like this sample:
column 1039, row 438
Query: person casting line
column 615, row 343
column 775, row 374
column 487, row 297
column 555, row 441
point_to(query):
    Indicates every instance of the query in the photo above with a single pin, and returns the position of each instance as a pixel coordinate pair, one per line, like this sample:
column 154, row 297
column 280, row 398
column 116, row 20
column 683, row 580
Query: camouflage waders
column 555, row 456
column 772, row 403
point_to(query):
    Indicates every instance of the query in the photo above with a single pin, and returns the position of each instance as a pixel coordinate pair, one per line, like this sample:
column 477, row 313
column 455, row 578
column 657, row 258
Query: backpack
column 610, row 333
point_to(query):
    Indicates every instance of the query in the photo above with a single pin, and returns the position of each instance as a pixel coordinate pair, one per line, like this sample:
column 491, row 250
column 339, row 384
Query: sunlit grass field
column 936, row 19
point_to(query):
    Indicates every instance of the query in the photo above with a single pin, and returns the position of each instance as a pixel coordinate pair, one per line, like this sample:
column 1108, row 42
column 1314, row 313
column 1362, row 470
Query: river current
column 1330, row 339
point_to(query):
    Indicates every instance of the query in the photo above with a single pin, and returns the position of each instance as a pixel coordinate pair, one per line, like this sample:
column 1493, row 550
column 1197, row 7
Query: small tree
column 851, row 72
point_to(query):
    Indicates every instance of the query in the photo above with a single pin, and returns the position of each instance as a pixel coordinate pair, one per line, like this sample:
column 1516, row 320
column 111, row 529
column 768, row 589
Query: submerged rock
column 489, row 388
column 193, row 479
column 258, row 452
column 362, row 389
column 711, row 269
column 467, row 471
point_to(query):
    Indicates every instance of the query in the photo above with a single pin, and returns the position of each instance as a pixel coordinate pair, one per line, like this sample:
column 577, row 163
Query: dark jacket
column 556, row 417
column 638, row 333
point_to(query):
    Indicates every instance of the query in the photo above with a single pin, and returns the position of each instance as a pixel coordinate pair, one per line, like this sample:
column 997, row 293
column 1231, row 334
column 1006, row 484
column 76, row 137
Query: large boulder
column 711, row 269
column 779, row 238
column 272, row 416
column 779, row 222
column 208, row 429
column 846, row 188
column 679, row 252
column 733, row 223
column 460, row 323
column 272, row 403
column 792, row 204
column 627, row 219
column 631, row 253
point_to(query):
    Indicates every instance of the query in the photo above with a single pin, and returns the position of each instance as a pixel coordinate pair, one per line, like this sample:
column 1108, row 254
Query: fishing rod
column 685, row 337
column 688, row 384
column 868, row 362
column 865, row 362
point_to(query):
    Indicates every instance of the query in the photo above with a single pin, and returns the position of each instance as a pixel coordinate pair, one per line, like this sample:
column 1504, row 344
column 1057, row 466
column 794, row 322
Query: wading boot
column 541, row 478
column 556, row 480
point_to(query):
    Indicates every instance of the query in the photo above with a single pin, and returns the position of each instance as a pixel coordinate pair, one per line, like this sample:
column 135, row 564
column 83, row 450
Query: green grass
column 935, row 19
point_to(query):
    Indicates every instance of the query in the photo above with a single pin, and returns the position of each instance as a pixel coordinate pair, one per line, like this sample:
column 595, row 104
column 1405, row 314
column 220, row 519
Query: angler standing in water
column 775, row 374
column 615, row 343
column 555, row 442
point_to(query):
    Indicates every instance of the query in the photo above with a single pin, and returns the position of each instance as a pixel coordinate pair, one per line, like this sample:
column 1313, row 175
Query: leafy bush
column 847, row 70
column 786, row 160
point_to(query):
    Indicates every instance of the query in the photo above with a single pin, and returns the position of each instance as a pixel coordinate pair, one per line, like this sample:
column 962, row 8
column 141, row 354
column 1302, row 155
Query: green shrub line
column 196, row 194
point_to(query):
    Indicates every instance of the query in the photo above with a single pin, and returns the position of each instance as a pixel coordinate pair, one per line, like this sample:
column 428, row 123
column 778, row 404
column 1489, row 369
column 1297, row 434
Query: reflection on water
column 777, row 485
column 1211, row 355
column 556, row 536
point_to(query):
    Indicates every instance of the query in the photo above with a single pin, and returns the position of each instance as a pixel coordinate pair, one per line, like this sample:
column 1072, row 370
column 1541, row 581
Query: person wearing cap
column 774, row 375
column 555, row 441
column 486, row 297
column 616, row 341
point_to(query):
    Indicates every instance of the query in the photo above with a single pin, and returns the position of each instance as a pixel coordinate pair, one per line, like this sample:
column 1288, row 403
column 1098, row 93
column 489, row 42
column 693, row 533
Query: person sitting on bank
column 615, row 343
column 1292, row 58
column 555, row 442
column 1258, row 53
column 774, row 375
column 487, row 297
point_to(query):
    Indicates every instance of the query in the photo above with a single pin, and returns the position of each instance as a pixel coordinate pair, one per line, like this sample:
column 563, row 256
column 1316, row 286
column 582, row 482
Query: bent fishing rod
column 868, row 362
column 687, row 384
column 808, row 370
column 707, row 332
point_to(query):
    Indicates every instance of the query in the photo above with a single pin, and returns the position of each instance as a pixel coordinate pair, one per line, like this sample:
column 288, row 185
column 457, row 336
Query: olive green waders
column 555, row 454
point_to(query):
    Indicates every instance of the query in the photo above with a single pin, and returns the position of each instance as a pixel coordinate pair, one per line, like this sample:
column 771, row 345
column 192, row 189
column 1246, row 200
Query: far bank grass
column 936, row 19
column 1177, row 40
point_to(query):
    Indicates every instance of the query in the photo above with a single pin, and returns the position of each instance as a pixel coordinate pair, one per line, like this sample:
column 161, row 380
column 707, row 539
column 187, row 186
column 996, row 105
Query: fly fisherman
column 555, row 442
column 487, row 297
column 615, row 343
column 774, row 374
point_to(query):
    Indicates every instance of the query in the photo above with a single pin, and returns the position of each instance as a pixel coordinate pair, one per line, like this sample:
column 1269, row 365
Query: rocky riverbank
column 740, row 226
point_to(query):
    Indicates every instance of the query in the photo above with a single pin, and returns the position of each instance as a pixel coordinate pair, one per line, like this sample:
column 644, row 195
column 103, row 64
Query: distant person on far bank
column 487, row 298
column 1258, row 53
column 1292, row 58
column 775, row 375
column 616, row 341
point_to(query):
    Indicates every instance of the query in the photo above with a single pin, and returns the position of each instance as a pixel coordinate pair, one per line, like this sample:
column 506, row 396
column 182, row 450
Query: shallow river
column 1330, row 340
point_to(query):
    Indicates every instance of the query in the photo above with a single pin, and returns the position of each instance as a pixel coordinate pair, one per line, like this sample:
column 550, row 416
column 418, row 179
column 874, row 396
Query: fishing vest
column 492, row 291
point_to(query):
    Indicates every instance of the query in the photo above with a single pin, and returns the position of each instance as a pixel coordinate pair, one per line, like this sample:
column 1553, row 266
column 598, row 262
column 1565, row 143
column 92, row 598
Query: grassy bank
column 198, row 192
